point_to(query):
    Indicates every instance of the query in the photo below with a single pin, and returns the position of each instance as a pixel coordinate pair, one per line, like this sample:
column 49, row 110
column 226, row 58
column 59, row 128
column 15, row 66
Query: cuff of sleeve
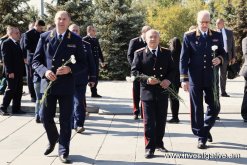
column 184, row 77
column 221, row 59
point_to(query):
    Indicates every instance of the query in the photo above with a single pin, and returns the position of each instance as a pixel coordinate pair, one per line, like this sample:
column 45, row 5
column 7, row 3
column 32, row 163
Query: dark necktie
column 153, row 52
column 205, row 35
column 60, row 37
column 17, row 43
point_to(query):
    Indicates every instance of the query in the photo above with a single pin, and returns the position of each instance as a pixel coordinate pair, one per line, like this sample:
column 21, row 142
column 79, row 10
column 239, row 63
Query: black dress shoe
column 49, row 149
column 201, row 145
column 217, row 118
column 149, row 154
column 3, row 112
column 64, row 159
column 19, row 112
column 245, row 120
column 162, row 149
column 174, row 120
column 96, row 95
column 210, row 138
column 225, row 95
column 135, row 117
column 37, row 119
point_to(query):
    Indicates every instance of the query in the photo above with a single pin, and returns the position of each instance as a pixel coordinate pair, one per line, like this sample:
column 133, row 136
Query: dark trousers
column 154, row 119
column 29, row 72
column 174, row 103
column 14, row 93
column 244, row 103
column 94, row 88
column 47, row 117
column 79, row 106
column 223, row 78
column 200, row 125
column 136, row 97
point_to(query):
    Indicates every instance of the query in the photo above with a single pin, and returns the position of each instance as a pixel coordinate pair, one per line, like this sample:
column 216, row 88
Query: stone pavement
column 112, row 137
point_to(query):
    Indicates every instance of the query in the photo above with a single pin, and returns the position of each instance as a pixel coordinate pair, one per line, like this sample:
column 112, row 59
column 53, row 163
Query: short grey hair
column 201, row 14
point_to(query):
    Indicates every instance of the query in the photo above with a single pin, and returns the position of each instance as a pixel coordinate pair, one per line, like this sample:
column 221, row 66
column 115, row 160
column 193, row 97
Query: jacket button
column 204, row 61
column 62, row 59
column 205, row 67
column 161, row 75
column 53, row 59
column 160, row 68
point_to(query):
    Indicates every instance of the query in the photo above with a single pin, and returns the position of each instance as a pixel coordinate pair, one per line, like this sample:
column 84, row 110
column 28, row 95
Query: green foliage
column 15, row 13
column 81, row 13
column 116, row 22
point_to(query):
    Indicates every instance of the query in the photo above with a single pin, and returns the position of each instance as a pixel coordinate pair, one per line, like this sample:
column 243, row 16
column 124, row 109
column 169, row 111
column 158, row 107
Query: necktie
column 153, row 52
column 205, row 35
column 17, row 43
column 60, row 37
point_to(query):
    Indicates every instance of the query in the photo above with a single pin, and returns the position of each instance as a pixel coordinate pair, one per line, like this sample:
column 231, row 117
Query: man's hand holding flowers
column 152, row 81
column 165, row 83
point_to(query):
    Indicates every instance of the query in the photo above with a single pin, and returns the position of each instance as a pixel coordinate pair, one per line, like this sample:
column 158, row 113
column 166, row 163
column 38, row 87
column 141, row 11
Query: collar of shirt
column 204, row 32
column 13, row 40
column 61, row 34
column 156, row 50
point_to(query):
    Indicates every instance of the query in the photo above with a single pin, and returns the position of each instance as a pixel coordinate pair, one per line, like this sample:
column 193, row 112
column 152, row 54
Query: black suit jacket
column 30, row 41
column 135, row 44
column 96, row 50
column 12, row 58
column 161, row 67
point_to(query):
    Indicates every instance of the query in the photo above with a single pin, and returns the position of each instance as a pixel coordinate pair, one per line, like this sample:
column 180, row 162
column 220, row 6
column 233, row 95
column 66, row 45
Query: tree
column 81, row 13
column 14, row 13
column 117, row 22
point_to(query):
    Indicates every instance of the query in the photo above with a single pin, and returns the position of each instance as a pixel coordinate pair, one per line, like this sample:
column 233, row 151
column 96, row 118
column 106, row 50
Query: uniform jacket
column 196, row 57
column 48, row 56
column 12, row 58
column 161, row 67
column 243, row 71
column 89, row 72
column 96, row 50
column 30, row 41
column 135, row 44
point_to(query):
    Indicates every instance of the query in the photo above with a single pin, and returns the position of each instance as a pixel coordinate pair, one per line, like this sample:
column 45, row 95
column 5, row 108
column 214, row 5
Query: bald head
column 75, row 28
column 62, row 21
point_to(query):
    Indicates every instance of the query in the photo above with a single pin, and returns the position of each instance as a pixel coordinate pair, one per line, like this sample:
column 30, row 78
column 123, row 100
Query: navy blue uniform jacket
column 135, row 44
column 196, row 57
column 49, row 57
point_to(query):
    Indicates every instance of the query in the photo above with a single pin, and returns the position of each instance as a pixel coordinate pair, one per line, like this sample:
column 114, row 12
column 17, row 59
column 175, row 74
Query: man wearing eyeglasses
column 197, row 68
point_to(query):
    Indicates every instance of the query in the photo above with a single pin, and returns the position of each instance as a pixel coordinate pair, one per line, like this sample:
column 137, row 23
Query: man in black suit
column 156, row 67
column 135, row 44
column 3, row 84
column 54, row 48
column 86, row 76
column 30, row 41
column 97, row 54
column 229, row 46
column 14, row 64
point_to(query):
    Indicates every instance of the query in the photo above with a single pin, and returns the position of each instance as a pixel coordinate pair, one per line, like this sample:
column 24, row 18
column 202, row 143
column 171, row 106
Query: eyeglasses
column 204, row 22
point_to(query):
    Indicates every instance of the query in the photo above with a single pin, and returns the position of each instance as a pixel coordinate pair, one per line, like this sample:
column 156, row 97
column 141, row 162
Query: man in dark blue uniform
column 135, row 44
column 97, row 54
column 86, row 76
column 54, row 48
column 14, row 69
column 30, row 41
column 197, row 69
column 155, row 66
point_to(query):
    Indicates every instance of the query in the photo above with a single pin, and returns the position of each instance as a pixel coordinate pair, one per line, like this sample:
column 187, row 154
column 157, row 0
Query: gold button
column 62, row 59
column 153, row 68
column 160, row 68
column 161, row 75
column 204, row 67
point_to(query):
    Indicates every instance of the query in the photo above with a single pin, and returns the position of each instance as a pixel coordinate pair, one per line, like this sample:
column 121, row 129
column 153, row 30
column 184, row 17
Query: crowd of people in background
column 44, row 57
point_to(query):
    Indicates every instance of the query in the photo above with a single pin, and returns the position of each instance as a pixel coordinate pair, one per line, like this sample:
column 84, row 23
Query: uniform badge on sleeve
column 215, row 40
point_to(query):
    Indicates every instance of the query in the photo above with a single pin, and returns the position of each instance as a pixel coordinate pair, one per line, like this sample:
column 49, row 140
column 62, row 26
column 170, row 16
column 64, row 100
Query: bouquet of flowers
column 169, row 89
column 215, row 87
column 71, row 60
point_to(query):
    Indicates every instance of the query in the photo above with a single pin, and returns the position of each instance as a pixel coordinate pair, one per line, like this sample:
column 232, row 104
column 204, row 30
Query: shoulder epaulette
column 190, row 31
column 138, row 50
column 163, row 48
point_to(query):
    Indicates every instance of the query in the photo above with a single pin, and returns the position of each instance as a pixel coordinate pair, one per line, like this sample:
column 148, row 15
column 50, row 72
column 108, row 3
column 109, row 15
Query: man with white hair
column 154, row 65
column 54, row 49
column 197, row 68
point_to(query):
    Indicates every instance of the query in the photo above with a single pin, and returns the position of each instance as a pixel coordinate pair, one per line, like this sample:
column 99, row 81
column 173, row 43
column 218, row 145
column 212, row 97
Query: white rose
column 73, row 60
column 214, row 47
column 132, row 78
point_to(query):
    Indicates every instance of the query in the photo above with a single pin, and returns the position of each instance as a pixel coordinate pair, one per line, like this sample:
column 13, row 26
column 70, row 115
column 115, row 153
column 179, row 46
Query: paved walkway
column 112, row 137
